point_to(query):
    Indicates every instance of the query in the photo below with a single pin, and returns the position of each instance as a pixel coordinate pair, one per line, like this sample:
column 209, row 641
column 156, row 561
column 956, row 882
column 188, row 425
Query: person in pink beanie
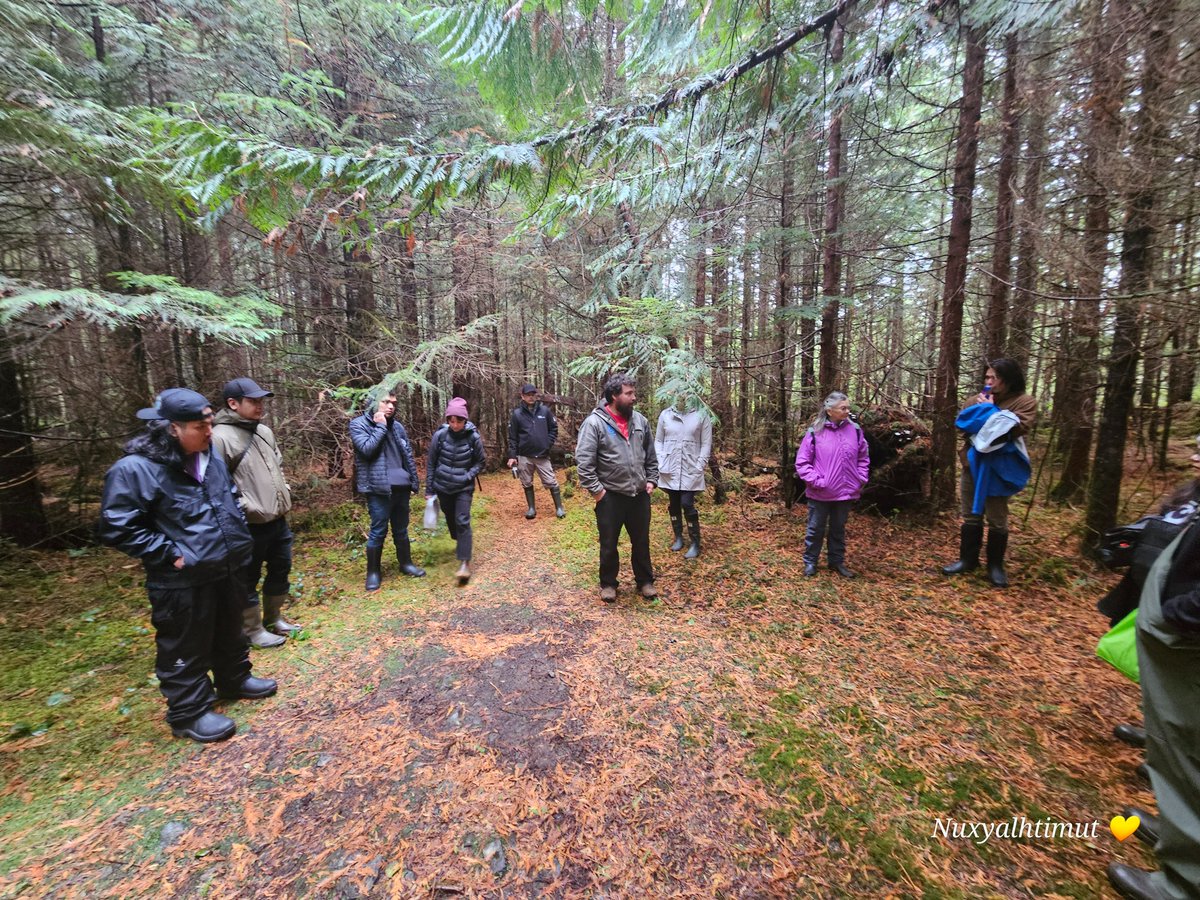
column 455, row 460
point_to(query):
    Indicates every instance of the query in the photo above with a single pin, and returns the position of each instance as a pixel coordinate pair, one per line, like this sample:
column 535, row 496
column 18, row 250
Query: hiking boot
column 677, row 527
column 841, row 569
column 556, row 496
column 206, row 729
column 252, row 627
column 693, row 525
column 532, row 511
column 608, row 593
column 273, row 615
column 648, row 590
column 997, row 545
column 374, row 568
column 970, row 539
column 250, row 689
column 464, row 573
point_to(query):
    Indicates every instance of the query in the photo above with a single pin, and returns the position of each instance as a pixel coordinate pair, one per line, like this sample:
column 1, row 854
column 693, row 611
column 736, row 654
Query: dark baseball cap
column 178, row 405
column 529, row 389
column 244, row 387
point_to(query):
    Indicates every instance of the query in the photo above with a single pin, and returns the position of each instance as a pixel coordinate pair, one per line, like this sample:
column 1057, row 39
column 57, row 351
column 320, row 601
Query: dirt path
column 752, row 734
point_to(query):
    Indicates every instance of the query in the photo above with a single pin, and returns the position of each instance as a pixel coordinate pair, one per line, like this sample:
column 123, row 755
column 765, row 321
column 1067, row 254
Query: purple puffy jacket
column 834, row 462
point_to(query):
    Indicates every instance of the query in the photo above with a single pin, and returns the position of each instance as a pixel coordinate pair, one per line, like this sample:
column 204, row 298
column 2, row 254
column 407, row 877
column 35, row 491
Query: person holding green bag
column 1168, row 653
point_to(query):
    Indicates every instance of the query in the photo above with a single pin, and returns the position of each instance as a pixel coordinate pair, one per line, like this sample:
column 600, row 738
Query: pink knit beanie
column 457, row 407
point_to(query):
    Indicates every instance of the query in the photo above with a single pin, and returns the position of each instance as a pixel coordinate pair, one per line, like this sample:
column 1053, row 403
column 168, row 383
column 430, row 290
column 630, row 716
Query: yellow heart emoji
column 1123, row 827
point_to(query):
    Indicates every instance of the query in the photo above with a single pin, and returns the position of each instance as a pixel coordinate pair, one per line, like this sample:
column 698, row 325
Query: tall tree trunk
column 1010, row 146
column 1137, row 266
column 1080, row 370
column 945, row 404
column 783, row 297
column 831, row 262
column 22, row 518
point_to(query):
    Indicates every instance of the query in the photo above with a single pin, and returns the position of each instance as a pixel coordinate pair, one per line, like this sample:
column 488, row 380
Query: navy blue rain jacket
column 370, row 457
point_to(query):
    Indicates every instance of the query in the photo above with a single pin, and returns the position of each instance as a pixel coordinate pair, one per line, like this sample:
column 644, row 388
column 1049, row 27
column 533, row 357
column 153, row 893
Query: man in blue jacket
column 386, row 472
column 532, row 431
column 171, row 503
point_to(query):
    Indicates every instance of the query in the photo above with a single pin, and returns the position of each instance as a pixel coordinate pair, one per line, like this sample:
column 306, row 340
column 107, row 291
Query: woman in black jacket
column 455, row 460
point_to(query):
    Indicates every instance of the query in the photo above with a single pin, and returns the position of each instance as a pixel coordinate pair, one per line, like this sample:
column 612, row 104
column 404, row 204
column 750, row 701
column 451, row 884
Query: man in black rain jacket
column 171, row 503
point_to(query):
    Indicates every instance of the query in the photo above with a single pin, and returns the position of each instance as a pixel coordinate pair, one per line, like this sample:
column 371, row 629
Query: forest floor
column 751, row 733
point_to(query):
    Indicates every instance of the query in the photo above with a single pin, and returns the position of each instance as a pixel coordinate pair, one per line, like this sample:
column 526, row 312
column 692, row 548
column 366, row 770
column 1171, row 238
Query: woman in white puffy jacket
column 683, row 443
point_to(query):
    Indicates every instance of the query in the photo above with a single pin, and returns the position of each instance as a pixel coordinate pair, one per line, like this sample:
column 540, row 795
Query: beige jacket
column 265, row 495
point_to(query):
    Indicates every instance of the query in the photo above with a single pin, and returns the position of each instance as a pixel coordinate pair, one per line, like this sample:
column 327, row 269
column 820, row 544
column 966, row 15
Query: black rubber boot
column 1148, row 828
column 250, row 689
column 556, row 496
column 532, row 511
column 1133, row 883
column 404, row 557
column 677, row 527
column 207, row 729
column 997, row 546
column 374, row 568
column 693, row 524
column 970, row 539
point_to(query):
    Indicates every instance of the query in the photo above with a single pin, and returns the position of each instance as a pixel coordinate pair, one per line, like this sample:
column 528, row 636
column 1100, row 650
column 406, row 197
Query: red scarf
column 622, row 424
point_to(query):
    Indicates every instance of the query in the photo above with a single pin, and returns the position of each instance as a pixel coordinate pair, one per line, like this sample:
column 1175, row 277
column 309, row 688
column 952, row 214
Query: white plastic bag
column 431, row 514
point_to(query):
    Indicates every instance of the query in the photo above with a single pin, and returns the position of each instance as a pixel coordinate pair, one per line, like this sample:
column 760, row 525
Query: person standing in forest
column 683, row 444
column 253, row 459
column 617, row 465
column 834, row 463
column 171, row 503
column 385, row 471
column 1168, row 654
column 456, row 458
column 532, row 431
column 1003, row 389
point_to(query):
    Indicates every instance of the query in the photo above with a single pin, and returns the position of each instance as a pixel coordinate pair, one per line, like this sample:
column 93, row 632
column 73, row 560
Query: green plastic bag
column 1119, row 647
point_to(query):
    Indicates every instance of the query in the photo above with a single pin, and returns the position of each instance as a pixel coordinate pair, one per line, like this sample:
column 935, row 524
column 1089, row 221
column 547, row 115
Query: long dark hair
column 156, row 443
column 1009, row 371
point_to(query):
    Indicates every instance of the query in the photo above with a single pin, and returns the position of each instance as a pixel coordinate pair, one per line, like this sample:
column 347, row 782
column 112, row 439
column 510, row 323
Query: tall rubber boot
column 273, row 617
column 532, row 511
column 677, row 527
column 997, row 546
column 252, row 626
column 969, row 541
column 404, row 557
column 693, row 524
column 374, row 568
column 556, row 496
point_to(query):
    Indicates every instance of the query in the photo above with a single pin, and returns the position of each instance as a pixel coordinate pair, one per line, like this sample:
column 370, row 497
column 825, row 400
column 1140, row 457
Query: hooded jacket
column 455, row 459
column 370, row 453
column 834, row 462
column 155, row 511
column 607, row 461
column 531, row 432
column 683, row 444
column 263, row 490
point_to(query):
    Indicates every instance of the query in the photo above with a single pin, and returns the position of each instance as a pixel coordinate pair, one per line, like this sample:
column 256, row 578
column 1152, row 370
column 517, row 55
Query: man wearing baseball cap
column 171, row 503
column 532, row 431
column 253, row 458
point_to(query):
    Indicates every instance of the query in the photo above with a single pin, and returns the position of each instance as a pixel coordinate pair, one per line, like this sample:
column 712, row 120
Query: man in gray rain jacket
column 617, row 465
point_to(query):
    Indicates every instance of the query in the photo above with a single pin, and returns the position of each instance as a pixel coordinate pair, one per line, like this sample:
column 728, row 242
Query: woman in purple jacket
column 834, row 464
